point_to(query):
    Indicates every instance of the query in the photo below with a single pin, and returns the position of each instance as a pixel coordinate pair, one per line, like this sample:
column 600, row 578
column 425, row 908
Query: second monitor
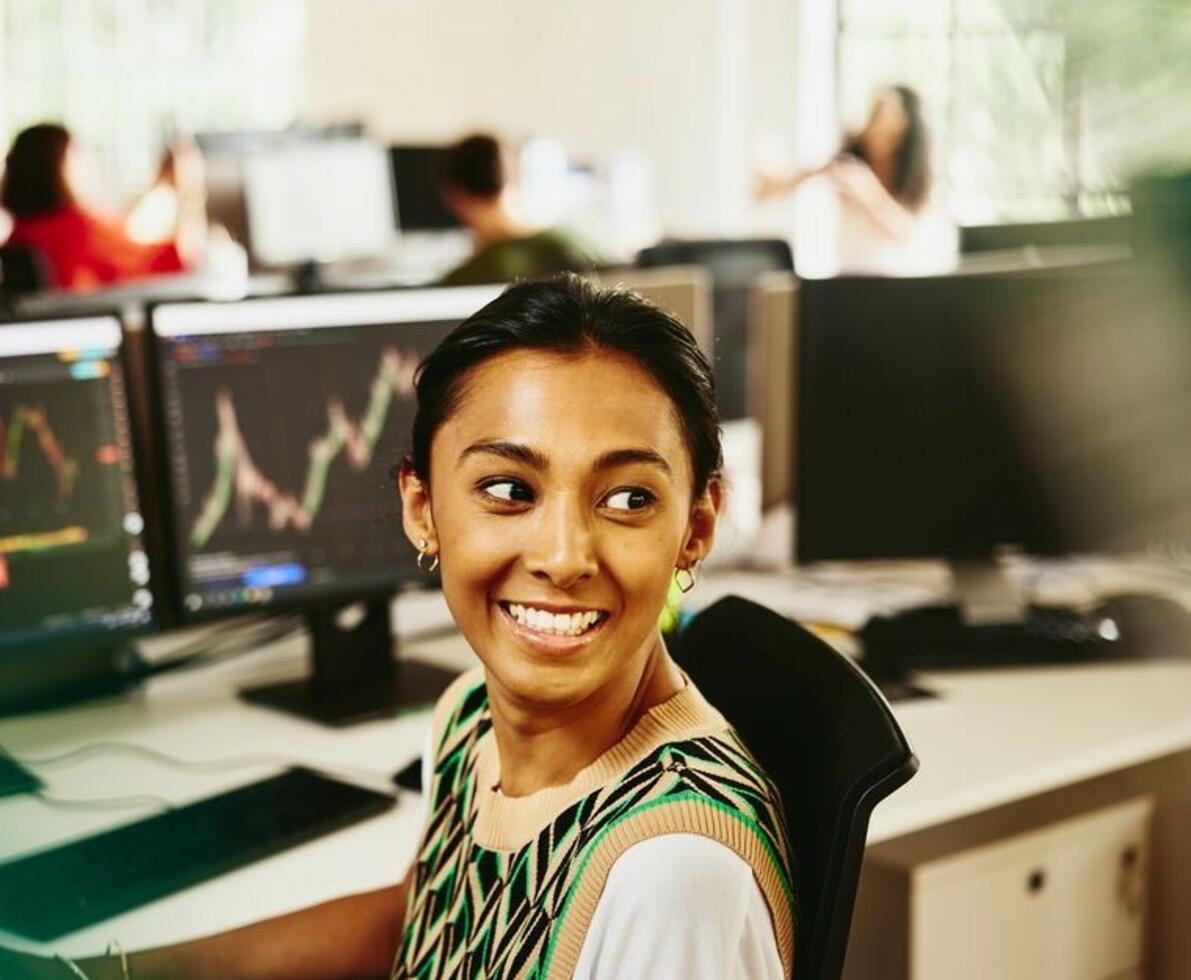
column 281, row 421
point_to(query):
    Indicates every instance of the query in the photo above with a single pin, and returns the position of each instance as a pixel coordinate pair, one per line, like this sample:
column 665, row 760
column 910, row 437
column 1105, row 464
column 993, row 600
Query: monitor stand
column 354, row 676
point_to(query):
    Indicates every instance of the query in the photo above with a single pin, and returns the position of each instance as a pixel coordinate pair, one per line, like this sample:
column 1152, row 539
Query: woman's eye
column 507, row 491
column 629, row 499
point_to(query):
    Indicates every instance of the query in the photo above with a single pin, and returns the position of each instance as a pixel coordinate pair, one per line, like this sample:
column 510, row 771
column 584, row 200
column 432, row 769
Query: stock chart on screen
column 70, row 524
column 282, row 431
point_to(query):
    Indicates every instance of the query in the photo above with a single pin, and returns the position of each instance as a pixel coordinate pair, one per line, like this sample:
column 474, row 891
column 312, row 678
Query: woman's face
column 560, row 503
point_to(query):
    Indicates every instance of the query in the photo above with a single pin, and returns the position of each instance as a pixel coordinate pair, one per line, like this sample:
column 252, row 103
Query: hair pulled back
column 570, row 315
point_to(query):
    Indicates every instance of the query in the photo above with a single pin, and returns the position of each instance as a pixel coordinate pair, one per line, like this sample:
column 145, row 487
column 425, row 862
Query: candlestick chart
column 59, row 463
column 281, row 445
column 239, row 479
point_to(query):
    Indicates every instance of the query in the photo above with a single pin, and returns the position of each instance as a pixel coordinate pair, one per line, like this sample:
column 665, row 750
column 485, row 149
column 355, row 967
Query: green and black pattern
column 478, row 912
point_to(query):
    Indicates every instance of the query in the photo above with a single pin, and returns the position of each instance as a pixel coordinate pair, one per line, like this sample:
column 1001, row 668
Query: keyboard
column 935, row 638
column 51, row 893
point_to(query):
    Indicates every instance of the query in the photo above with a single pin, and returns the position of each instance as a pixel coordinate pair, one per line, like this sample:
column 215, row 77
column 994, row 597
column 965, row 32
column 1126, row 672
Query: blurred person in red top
column 43, row 190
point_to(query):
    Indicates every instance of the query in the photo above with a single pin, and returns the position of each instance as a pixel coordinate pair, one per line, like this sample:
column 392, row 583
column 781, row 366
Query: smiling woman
column 591, row 814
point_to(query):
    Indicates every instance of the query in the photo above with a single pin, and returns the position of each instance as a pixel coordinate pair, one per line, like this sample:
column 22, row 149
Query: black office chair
column 23, row 270
column 735, row 265
column 827, row 738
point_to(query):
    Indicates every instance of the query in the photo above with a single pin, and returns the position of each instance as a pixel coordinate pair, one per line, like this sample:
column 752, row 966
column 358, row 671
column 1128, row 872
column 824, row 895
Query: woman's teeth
column 560, row 624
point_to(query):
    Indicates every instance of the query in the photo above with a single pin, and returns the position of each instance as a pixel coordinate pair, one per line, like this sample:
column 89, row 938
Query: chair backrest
column 735, row 265
column 23, row 270
column 827, row 738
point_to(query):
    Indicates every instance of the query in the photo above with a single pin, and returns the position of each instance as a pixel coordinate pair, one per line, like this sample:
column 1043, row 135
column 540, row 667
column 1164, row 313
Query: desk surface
column 993, row 738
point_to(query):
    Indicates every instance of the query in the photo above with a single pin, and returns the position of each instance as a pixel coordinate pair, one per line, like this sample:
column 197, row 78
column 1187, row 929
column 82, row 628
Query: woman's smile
column 552, row 629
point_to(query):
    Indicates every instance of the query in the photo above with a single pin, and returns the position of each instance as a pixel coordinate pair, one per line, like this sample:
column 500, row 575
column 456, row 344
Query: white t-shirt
column 674, row 907
column 680, row 907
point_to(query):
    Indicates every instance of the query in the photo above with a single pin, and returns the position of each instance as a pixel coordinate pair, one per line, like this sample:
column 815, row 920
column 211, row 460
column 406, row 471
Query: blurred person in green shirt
column 475, row 182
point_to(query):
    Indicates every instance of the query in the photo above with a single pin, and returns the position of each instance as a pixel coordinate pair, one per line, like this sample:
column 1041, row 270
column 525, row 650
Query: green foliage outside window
column 1040, row 108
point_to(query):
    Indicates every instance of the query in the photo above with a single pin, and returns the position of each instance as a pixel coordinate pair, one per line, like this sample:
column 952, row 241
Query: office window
column 123, row 75
column 1040, row 109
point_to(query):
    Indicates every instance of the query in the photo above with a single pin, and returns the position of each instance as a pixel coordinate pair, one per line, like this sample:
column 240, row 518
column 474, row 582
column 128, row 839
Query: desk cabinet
column 1061, row 902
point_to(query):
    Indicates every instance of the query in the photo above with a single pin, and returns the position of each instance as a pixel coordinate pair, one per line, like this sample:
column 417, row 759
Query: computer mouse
column 1150, row 625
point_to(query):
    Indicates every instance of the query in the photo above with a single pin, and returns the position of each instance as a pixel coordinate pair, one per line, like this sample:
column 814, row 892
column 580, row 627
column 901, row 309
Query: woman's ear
column 417, row 519
column 701, row 529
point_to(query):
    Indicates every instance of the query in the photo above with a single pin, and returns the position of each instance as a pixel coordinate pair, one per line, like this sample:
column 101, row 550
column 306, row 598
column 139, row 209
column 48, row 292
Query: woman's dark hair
column 35, row 172
column 475, row 165
column 569, row 315
column 911, row 161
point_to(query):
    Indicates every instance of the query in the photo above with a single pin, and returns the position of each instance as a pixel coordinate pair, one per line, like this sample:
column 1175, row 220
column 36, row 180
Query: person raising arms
column 43, row 189
column 882, row 176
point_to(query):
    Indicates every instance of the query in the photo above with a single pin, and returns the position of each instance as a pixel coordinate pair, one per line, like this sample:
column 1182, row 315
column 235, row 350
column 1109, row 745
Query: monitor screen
column 318, row 200
column 950, row 417
column 416, row 180
column 282, row 421
column 72, row 559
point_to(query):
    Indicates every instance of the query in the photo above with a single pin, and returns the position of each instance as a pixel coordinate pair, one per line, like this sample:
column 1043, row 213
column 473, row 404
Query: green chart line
column 66, row 469
column 238, row 478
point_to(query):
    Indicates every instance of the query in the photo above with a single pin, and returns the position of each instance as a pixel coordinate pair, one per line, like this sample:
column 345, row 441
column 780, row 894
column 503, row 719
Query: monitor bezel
column 304, row 598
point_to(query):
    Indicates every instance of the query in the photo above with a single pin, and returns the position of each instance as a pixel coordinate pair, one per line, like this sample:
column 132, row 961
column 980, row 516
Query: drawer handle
column 1036, row 881
column 1131, row 884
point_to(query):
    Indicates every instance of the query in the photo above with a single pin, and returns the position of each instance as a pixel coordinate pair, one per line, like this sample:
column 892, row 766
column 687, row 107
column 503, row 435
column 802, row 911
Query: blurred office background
column 1038, row 110
column 955, row 421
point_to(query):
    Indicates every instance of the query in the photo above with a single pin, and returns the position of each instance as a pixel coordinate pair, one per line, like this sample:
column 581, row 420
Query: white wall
column 691, row 82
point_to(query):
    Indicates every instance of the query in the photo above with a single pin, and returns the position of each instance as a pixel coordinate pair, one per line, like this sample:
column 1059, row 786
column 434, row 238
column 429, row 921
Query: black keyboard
column 49, row 894
column 935, row 638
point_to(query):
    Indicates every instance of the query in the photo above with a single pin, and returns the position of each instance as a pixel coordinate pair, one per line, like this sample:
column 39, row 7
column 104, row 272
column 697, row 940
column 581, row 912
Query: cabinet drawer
column 1066, row 902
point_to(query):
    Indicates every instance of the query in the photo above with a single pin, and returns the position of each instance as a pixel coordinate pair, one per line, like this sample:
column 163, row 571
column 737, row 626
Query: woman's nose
column 561, row 546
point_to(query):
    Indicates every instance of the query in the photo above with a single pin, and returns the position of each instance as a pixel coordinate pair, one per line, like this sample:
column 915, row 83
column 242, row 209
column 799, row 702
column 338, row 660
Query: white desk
column 197, row 716
column 994, row 739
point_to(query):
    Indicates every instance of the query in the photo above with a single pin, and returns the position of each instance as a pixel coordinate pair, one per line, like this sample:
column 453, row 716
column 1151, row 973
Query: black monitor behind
column 272, row 415
column 959, row 416
column 417, row 187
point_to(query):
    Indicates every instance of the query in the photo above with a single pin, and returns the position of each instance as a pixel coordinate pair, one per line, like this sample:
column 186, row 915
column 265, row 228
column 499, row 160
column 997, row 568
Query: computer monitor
column 74, row 569
column 957, row 416
column 417, row 185
column 318, row 200
column 281, row 421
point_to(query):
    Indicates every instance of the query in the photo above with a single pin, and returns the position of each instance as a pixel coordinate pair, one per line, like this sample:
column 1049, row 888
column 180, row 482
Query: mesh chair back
column 827, row 738
column 735, row 265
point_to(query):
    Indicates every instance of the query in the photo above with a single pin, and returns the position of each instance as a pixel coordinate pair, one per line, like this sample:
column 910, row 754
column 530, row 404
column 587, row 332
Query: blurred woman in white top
column 885, row 220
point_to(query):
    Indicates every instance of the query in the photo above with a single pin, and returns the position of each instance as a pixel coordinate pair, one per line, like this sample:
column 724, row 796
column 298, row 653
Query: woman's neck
column 541, row 750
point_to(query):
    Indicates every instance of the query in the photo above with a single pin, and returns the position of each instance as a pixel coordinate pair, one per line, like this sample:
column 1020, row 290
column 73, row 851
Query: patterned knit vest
column 506, row 887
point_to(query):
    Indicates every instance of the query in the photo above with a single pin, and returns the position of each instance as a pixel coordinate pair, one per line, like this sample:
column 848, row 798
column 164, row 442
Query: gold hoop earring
column 685, row 584
column 422, row 553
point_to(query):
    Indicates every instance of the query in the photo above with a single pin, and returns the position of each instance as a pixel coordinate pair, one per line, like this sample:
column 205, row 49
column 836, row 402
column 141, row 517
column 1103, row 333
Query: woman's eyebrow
column 520, row 453
column 625, row 457
column 515, row 451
